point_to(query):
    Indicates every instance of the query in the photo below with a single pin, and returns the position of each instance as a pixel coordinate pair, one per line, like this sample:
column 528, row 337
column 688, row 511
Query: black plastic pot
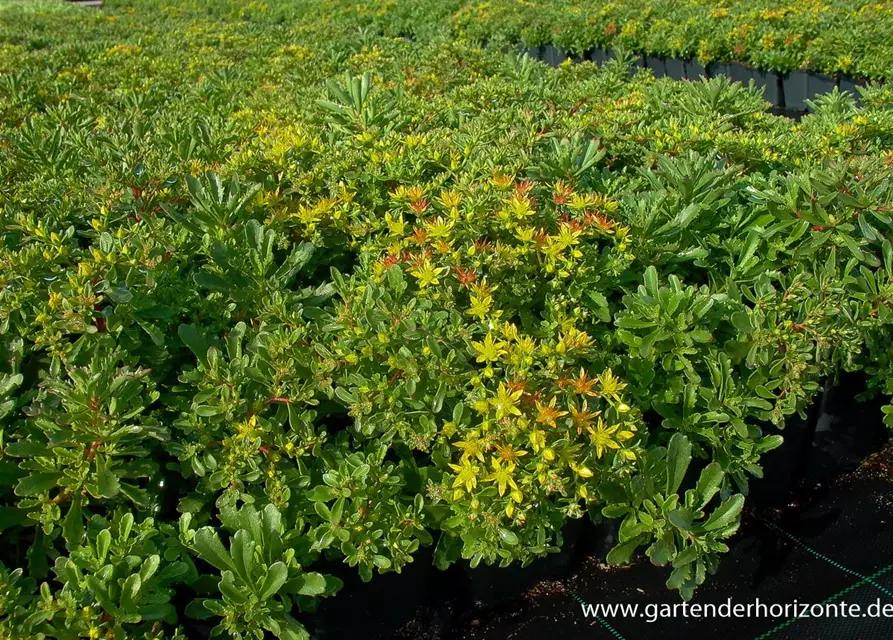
column 818, row 84
column 838, row 433
column 197, row 629
column 784, row 467
column 598, row 539
column 850, row 85
column 598, row 56
column 771, row 83
column 719, row 69
column 492, row 585
column 658, row 66
column 675, row 68
column 553, row 56
column 534, row 52
column 847, row 431
column 694, row 70
column 740, row 72
column 796, row 87
column 384, row 604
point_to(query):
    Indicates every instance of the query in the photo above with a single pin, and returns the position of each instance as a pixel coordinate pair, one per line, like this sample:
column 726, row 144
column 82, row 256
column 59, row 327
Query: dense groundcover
column 279, row 287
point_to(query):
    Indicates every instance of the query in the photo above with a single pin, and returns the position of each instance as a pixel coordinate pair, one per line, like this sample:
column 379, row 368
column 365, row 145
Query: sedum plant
column 678, row 528
column 260, row 575
column 276, row 297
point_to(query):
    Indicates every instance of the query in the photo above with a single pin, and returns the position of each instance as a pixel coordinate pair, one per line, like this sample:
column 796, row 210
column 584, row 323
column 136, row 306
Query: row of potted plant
column 278, row 291
column 833, row 37
column 788, row 91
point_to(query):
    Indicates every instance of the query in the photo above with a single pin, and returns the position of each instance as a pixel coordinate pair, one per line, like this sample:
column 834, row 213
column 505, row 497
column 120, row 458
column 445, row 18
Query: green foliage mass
column 277, row 288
